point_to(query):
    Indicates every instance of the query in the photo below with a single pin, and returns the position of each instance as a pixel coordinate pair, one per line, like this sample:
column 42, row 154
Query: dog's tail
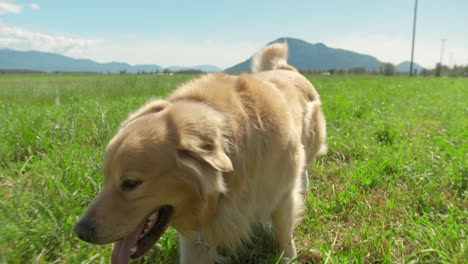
column 272, row 57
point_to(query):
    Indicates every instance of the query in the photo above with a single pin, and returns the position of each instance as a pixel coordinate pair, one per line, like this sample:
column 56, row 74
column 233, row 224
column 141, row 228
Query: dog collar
column 201, row 245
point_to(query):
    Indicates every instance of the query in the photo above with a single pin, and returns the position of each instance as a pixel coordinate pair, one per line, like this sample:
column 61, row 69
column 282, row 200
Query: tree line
column 389, row 69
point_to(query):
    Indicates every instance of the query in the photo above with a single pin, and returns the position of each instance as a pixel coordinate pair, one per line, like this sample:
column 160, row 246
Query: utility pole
column 442, row 46
column 414, row 33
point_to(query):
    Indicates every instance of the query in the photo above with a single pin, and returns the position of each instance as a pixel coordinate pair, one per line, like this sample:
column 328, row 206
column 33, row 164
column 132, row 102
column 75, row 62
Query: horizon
column 208, row 33
column 189, row 66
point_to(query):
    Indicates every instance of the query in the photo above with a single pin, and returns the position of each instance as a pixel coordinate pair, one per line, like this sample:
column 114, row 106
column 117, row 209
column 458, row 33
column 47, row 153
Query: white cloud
column 162, row 51
column 8, row 7
column 34, row 6
column 23, row 39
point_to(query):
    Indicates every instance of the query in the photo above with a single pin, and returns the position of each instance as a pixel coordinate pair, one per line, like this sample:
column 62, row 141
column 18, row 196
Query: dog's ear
column 205, row 163
column 154, row 106
column 203, row 148
column 199, row 138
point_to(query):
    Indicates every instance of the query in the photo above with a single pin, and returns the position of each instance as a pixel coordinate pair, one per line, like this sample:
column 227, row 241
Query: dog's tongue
column 121, row 253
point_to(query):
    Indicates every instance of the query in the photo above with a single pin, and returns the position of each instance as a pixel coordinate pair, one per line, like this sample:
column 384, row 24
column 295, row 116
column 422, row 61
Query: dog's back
column 270, row 64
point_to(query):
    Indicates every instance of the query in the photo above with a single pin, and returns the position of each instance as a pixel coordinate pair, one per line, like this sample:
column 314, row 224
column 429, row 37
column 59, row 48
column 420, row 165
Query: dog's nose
column 85, row 230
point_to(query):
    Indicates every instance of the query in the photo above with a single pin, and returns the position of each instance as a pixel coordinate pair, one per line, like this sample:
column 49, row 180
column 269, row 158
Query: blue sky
column 224, row 33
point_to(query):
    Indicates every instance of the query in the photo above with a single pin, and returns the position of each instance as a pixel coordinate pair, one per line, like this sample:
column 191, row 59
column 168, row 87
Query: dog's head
column 164, row 167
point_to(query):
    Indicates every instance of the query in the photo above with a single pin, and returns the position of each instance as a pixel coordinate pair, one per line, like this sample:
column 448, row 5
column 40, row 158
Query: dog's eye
column 129, row 185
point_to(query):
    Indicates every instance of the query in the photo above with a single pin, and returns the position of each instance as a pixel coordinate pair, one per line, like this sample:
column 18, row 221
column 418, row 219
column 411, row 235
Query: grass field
column 393, row 188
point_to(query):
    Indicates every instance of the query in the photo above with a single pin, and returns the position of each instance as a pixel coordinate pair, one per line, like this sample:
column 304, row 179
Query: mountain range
column 302, row 55
column 306, row 56
column 51, row 62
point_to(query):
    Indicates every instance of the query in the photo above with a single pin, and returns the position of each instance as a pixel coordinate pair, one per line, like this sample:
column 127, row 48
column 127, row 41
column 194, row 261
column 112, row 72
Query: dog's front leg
column 283, row 220
column 195, row 250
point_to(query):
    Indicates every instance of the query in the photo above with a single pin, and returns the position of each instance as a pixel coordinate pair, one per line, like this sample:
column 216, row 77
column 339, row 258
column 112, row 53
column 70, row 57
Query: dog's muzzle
column 85, row 230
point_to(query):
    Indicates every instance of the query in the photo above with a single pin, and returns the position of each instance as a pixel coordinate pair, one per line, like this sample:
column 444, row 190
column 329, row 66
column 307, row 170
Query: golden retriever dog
column 220, row 154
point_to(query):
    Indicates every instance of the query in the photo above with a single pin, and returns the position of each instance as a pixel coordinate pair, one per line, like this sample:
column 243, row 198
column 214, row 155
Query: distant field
column 393, row 188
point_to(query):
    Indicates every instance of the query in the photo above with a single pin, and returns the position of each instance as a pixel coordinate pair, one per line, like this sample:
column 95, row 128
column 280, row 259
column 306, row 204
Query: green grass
column 393, row 188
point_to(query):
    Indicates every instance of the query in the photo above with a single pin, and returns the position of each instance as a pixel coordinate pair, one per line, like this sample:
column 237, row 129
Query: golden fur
column 224, row 151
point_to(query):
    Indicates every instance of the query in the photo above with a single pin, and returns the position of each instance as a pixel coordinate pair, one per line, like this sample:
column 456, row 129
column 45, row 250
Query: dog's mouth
column 140, row 241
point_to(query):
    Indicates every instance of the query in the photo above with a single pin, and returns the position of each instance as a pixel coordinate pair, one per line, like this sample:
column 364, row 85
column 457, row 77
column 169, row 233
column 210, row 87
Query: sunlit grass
column 392, row 189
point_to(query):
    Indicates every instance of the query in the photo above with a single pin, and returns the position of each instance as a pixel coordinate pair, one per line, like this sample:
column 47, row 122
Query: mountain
column 50, row 62
column 303, row 55
column 306, row 56
column 404, row 67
